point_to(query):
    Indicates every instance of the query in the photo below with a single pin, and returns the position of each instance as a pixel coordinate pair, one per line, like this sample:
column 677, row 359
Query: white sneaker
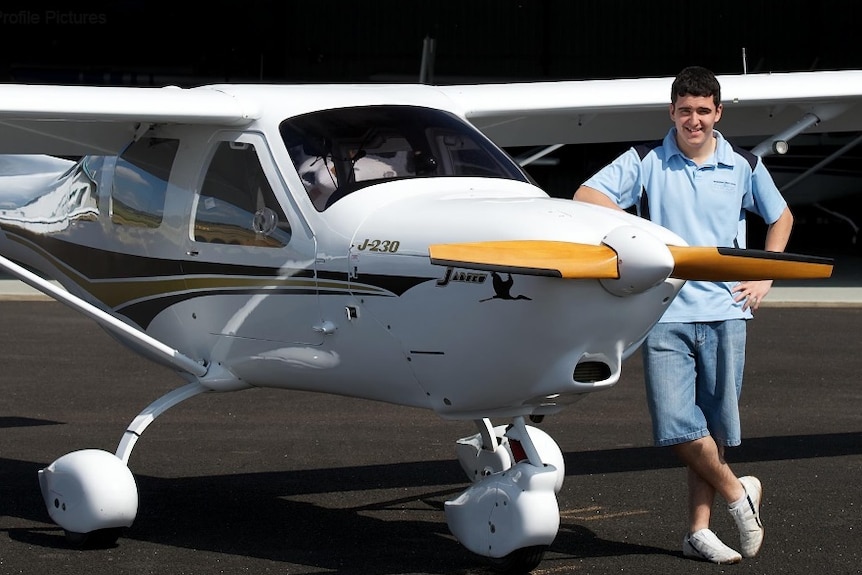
column 747, row 517
column 706, row 545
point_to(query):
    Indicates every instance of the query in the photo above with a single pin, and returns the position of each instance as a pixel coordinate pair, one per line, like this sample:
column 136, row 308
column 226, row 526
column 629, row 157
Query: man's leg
column 701, row 496
column 708, row 473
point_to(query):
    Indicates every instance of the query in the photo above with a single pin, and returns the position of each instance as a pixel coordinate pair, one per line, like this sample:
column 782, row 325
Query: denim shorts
column 693, row 375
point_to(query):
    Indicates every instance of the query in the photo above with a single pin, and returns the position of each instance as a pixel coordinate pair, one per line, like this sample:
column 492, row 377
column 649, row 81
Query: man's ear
column 670, row 110
column 718, row 111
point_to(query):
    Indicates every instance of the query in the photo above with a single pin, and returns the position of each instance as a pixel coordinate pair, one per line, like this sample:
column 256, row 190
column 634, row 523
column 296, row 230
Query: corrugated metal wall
column 345, row 40
column 538, row 39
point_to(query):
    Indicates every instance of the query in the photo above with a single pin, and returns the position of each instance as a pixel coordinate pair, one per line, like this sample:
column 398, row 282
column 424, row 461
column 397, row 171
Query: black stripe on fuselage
column 112, row 268
column 99, row 264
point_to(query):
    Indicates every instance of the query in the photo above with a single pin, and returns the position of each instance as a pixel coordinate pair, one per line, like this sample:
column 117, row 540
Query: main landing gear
column 510, row 513
column 91, row 493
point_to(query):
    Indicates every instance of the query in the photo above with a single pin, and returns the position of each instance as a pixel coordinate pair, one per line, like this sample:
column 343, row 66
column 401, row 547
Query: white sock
column 739, row 502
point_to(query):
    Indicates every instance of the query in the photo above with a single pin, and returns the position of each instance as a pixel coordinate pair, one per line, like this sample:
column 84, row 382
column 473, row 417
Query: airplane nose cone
column 643, row 261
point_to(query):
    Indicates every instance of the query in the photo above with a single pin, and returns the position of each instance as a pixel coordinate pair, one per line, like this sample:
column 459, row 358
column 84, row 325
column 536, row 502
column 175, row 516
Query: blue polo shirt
column 705, row 205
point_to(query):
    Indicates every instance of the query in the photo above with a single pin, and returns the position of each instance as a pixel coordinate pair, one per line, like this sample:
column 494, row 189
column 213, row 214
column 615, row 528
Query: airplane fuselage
column 214, row 242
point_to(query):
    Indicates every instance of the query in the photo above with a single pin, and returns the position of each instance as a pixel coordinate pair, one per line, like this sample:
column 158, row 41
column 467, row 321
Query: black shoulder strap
column 643, row 150
column 646, row 148
column 747, row 155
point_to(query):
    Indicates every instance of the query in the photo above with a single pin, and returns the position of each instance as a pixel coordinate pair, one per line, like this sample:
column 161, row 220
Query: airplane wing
column 73, row 120
column 78, row 120
column 625, row 110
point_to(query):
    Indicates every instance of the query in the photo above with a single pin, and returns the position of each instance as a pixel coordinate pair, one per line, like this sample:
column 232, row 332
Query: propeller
column 728, row 264
column 584, row 261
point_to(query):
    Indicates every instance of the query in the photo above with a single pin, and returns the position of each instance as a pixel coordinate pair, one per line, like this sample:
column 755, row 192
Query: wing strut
column 125, row 331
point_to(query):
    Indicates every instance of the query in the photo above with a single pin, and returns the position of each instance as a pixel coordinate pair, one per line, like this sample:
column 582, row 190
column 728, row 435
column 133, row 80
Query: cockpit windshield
column 339, row 151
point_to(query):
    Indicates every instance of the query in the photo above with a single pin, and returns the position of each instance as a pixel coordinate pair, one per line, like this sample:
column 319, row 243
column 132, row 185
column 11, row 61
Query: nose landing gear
column 510, row 513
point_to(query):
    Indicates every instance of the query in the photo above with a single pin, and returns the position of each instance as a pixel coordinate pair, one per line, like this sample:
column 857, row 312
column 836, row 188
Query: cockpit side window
column 236, row 204
column 141, row 182
column 339, row 151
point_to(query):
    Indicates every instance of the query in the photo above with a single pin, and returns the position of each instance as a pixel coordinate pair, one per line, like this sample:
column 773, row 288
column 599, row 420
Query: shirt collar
column 723, row 151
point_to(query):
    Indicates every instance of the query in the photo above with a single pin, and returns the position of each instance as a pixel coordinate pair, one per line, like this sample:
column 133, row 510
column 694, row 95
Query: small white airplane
column 371, row 241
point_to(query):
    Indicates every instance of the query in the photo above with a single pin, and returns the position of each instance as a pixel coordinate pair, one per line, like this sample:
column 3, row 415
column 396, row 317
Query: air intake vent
column 591, row 371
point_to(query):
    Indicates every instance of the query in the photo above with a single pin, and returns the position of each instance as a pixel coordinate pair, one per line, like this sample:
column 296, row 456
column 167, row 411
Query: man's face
column 694, row 118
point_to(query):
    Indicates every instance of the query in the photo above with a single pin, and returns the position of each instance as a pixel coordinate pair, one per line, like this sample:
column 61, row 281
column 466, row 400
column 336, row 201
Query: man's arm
column 778, row 232
column 593, row 196
column 777, row 236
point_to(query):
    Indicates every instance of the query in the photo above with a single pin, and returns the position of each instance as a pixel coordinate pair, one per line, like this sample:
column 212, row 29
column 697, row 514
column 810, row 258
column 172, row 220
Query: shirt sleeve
column 621, row 180
column 766, row 199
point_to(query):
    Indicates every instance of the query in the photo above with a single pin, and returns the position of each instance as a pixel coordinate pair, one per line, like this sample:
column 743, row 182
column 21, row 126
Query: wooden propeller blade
column 732, row 264
column 585, row 261
column 534, row 257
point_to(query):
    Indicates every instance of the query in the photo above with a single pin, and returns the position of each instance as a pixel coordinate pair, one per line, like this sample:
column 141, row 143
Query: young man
column 699, row 186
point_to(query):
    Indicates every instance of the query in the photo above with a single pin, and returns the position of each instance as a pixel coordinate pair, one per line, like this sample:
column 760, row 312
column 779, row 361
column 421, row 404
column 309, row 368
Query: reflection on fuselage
column 67, row 198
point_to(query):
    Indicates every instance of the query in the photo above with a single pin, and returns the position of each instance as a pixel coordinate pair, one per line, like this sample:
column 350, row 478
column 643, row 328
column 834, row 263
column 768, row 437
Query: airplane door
column 251, row 261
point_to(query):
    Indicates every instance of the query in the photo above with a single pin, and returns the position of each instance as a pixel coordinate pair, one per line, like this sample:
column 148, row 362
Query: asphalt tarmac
column 265, row 481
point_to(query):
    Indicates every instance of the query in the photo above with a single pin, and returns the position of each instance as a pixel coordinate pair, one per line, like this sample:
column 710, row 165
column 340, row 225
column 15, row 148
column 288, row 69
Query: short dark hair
column 696, row 81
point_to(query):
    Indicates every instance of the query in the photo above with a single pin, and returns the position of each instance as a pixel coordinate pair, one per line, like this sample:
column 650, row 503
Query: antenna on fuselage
column 426, row 71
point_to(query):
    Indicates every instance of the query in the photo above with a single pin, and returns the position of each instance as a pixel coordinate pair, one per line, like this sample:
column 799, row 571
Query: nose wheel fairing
column 510, row 512
column 504, row 512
